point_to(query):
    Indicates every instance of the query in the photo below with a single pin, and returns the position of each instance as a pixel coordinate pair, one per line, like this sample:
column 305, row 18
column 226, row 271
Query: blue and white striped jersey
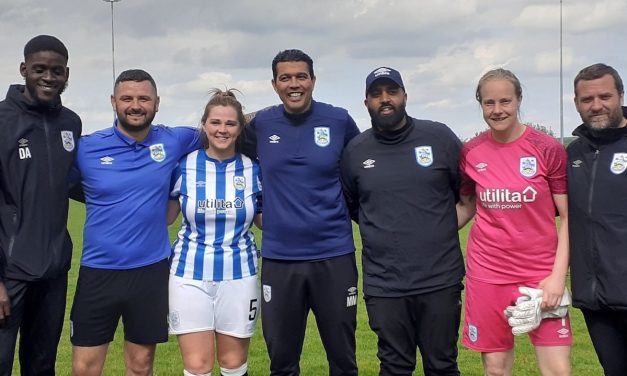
column 218, row 201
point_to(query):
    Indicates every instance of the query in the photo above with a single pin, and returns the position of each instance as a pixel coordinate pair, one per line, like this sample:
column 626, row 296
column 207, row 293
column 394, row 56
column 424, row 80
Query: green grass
column 313, row 360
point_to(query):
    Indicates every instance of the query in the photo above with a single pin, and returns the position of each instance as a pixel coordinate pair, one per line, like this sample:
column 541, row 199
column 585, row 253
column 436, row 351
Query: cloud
column 585, row 16
column 441, row 47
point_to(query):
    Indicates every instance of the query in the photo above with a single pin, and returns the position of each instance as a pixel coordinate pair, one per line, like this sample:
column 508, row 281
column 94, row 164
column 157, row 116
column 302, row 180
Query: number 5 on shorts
column 253, row 309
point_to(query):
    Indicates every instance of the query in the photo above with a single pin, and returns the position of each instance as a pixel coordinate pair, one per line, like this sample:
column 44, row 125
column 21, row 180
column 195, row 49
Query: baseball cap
column 384, row 72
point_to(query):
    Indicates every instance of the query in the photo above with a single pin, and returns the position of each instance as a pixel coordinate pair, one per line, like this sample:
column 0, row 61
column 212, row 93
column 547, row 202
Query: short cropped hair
column 136, row 75
column 596, row 71
column 45, row 43
column 292, row 56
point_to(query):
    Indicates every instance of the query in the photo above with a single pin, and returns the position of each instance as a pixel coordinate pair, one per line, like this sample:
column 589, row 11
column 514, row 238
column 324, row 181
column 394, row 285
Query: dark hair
column 502, row 74
column 596, row 71
column 136, row 75
column 290, row 56
column 45, row 43
column 224, row 98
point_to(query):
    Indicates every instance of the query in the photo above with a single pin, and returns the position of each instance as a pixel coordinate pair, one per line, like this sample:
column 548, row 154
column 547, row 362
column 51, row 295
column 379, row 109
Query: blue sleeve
column 349, row 188
column 258, row 203
column 351, row 130
column 189, row 138
column 175, row 182
column 247, row 140
column 257, row 173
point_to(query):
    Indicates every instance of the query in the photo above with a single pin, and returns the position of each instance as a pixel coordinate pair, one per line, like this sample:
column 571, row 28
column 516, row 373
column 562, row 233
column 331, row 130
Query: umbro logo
column 106, row 160
column 368, row 163
column 563, row 332
column 23, row 150
column 481, row 166
column 274, row 139
column 577, row 163
column 382, row 71
column 351, row 297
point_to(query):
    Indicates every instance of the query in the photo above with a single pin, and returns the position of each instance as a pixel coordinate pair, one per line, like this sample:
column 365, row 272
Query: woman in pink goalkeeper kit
column 514, row 179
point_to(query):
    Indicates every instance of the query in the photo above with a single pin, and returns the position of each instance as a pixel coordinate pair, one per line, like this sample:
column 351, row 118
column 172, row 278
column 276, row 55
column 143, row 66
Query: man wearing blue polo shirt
column 125, row 174
column 308, row 251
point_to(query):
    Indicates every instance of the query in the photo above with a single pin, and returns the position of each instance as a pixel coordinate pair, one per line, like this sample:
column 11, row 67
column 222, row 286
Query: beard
column 134, row 128
column 614, row 120
column 388, row 122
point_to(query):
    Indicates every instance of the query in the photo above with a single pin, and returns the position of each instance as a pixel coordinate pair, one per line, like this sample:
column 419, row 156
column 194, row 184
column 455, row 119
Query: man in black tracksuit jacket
column 37, row 146
column 597, row 200
column 401, row 182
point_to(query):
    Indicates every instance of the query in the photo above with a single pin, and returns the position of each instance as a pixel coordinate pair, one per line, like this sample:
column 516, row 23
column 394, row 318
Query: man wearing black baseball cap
column 384, row 73
column 401, row 183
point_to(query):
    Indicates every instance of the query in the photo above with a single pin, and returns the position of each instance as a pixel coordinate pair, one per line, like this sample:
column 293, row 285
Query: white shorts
column 227, row 307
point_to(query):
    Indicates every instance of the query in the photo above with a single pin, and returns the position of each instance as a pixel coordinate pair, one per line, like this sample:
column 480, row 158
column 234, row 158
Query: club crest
column 473, row 333
column 174, row 319
column 239, row 182
column 267, row 293
column 528, row 166
column 424, row 155
column 157, row 152
column 68, row 140
column 322, row 136
column 619, row 163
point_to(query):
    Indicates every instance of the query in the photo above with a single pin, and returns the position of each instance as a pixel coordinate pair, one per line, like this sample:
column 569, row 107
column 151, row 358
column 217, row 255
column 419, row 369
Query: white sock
column 187, row 373
column 239, row 371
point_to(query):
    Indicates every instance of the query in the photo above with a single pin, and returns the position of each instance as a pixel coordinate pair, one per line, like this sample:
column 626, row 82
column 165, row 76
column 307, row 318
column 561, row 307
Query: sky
column 441, row 48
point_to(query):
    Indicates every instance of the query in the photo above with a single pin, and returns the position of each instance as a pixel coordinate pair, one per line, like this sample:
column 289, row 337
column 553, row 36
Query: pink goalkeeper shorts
column 486, row 328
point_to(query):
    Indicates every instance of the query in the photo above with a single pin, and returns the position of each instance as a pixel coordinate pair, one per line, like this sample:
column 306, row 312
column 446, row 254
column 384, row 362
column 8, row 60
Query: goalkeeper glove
column 526, row 315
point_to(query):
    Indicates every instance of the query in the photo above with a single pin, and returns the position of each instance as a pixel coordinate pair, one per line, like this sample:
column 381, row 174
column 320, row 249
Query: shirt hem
column 313, row 258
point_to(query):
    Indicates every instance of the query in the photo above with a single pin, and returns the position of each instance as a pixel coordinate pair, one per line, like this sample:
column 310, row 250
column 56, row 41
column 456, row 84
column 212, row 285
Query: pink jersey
column 514, row 237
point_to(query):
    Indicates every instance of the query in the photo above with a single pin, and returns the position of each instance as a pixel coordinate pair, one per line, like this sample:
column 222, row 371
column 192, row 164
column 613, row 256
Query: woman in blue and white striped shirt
column 214, row 295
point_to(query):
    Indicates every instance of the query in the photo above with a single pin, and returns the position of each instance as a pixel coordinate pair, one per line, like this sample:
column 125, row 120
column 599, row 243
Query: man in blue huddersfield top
column 308, row 250
column 125, row 174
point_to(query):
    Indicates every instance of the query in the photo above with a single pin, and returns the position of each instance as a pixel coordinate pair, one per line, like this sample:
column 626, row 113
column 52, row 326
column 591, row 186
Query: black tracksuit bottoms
column 37, row 310
column 428, row 321
column 289, row 290
column 608, row 331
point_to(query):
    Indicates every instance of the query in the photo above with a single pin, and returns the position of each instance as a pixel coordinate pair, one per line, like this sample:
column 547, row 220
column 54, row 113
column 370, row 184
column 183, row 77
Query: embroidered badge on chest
column 157, row 152
column 239, row 182
column 619, row 163
column 322, row 136
column 528, row 166
column 68, row 140
column 424, row 155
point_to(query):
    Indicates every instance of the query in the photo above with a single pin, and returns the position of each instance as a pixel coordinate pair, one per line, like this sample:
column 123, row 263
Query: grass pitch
column 313, row 360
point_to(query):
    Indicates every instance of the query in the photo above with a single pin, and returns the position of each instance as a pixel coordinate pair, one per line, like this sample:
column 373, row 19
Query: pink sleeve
column 556, row 158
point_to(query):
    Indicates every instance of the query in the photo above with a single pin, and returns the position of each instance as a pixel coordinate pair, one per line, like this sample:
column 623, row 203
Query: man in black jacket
column 401, row 182
column 597, row 182
column 37, row 145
